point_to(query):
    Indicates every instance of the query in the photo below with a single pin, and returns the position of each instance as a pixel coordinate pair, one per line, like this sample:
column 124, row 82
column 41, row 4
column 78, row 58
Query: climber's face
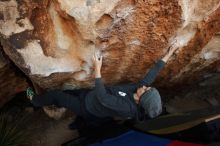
column 141, row 90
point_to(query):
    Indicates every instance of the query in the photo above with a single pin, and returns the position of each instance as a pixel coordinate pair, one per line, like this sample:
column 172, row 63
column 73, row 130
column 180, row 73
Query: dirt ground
column 43, row 130
column 50, row 132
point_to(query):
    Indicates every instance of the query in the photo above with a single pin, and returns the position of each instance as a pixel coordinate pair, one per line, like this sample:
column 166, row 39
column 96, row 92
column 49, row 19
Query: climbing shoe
column 30, row 93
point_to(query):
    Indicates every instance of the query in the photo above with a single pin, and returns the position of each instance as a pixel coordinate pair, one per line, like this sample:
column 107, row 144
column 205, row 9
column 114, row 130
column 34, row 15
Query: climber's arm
column 97, row 59
column 154, row 71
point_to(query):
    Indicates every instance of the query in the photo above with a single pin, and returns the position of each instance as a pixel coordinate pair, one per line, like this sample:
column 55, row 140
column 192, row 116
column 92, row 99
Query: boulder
column 12, row 81
column 53, row 41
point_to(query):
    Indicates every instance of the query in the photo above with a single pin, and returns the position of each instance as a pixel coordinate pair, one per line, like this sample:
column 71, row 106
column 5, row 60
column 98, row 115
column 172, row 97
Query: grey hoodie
column 118, row 100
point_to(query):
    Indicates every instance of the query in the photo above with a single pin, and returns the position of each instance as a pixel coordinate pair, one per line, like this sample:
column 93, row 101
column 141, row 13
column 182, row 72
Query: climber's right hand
column 97, row 59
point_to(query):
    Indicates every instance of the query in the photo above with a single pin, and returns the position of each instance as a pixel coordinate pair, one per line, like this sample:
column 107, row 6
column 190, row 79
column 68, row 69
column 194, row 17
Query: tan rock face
column 53, row 41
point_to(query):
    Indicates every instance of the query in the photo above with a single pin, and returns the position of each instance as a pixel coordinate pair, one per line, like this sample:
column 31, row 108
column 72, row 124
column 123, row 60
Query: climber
column 130, row 101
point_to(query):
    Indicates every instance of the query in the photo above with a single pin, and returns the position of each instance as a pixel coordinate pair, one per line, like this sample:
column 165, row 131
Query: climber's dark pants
column 73, row 100
column 68, row 99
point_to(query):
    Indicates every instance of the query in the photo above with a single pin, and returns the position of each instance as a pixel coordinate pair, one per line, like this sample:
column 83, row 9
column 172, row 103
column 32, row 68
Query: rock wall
column 11, row 80
column 52, row 41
